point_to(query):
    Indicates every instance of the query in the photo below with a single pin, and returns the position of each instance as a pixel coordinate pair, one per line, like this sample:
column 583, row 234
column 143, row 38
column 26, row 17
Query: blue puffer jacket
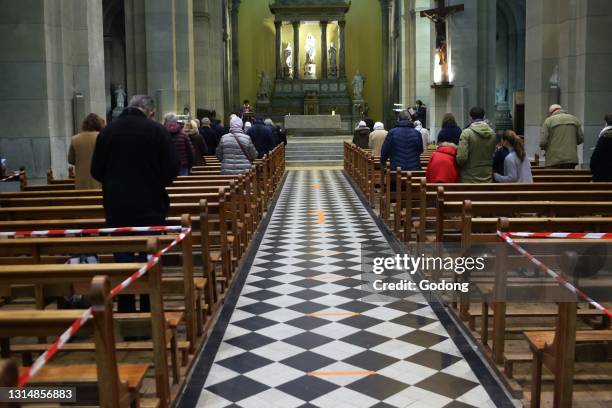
column 403, row 146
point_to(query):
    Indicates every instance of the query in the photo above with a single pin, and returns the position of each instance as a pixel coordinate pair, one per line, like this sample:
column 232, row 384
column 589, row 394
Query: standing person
column 246, row 111
column 262, row 138
column 236, row 151
column 210, row 136
column 275, row 131
column 476, row 147
column 369, row 123
column 247, row 126
column 182, row 143
column 377, row 138
column 361, row 136
column 135, row 161
column 517, row 168
column 403, row 145
column 499, row 157
column 449, row 132
column 81, row 151
column 424, row 134
column 442, row 166
column 561, row 135
column 200, row 148
column 420, row 112
column 601, row 165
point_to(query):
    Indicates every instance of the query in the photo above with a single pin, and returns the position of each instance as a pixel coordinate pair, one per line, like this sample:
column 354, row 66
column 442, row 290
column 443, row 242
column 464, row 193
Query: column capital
column 323, row 22
column 296, row 23
column 278, row 23
column 341, row 23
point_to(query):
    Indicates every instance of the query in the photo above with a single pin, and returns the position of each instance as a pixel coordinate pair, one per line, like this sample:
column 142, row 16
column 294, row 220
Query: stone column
column 277, row 52
column 296, row 50
column 576, row 40
column 60, row 53
column 323, row 49
column 235, row 81
column 184, row 49
column 342, row 46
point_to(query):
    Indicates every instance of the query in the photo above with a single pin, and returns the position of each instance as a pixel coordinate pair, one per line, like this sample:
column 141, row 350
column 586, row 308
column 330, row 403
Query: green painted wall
column 363, row 47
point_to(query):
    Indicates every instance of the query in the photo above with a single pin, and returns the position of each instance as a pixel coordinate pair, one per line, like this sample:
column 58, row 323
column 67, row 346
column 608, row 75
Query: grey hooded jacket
column 233, row 159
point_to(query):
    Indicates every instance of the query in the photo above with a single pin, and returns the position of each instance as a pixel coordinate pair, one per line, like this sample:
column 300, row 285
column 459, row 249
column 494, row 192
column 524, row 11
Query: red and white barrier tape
column 80, row 322
column 89, row 231
column 571, row 235
column 12, row 176
column 559, row 278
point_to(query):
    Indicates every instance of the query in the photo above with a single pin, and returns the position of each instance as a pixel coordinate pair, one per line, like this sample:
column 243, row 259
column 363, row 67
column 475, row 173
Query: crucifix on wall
column 439, row 16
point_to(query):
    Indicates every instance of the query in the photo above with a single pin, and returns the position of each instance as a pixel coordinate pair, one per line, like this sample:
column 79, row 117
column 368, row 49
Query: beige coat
column 561, row 135
column 377, row 138
column 81, row 151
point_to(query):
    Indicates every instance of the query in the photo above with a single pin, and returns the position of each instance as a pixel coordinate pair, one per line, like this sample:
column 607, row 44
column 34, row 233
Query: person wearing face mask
column 601, row 165
column 182, row 143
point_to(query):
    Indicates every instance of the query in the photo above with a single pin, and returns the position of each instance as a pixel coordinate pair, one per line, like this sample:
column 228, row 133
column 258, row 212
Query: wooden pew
column 71, row 273
column 118, row 385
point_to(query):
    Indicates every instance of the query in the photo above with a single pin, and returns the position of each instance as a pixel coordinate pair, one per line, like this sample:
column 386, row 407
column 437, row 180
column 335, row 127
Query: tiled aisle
column 299, row 333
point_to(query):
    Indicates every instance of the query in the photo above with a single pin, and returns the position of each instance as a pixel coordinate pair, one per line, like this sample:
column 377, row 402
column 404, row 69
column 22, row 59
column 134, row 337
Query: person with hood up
column 236, row 151
column 475, row 150
column 403, row 145
column 182, row 143
column 424, row 134
column 262, row 138
column 442, row 167
column 601, row 163
column 561, row 136
column 377, row 138
column 517, row 168
column 361, row 136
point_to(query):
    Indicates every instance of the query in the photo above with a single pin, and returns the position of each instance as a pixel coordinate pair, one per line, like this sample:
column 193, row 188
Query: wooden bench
column 118, row 385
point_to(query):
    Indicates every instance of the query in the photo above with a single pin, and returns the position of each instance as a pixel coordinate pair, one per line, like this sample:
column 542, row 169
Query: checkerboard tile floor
column 300, row 336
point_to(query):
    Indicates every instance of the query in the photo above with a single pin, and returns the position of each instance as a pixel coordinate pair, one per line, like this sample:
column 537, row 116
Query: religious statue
column 288, row 56
column 501, row 95
column 310, row 49
column 358, row 81
column 120, row 96
column 440, row 27
column 554, row 78
column 333, row 67
column 265, row 88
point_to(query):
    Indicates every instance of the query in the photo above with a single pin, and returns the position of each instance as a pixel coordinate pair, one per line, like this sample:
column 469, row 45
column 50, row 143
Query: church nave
column 297, row 333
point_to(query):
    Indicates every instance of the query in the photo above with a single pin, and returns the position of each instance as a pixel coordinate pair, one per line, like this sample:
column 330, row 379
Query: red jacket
column 442, row 167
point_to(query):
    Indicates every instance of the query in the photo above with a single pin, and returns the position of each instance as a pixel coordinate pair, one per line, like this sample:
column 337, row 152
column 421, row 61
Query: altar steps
column 326, row 151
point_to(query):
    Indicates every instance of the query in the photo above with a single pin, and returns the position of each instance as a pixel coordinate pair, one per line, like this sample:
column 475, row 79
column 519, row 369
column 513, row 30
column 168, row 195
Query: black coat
column 601, row 162
column 211, row 137
column 449, row 135
column 262, row 138
column 135, row 160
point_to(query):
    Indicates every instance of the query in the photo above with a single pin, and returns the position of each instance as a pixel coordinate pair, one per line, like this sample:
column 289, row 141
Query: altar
column 312, row 81
column 313, row 125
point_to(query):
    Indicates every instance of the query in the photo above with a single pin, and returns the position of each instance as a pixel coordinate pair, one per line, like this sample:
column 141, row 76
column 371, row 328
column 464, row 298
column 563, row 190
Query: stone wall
column 49, row 50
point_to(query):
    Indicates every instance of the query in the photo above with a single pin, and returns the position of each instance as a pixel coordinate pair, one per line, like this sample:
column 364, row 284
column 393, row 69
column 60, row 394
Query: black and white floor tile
column 300, row 336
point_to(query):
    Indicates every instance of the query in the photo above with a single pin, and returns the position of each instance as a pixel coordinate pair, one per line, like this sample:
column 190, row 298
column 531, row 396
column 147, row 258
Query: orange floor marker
column 316, row 186
column 321, row 217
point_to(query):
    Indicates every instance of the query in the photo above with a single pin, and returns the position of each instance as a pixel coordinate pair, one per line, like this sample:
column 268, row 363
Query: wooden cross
column 439, row 16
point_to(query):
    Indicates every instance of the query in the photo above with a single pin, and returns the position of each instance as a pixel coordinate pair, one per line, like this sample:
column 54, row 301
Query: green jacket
column 475, row 153
column 561, row 135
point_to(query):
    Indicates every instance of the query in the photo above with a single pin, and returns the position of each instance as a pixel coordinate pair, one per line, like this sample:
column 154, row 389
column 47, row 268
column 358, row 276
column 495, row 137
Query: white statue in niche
column 554, row 78
column 310, row 49
column 288, row 54
column 333, row 66
column 120, row 96
column 358, row 81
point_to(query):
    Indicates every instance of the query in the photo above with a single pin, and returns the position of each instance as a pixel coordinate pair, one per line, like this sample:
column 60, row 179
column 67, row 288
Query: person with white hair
column 247, row 126
column 424, row 133
column 377, row 138
column 561, row 135
column 236, row 151
column 361, row 136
